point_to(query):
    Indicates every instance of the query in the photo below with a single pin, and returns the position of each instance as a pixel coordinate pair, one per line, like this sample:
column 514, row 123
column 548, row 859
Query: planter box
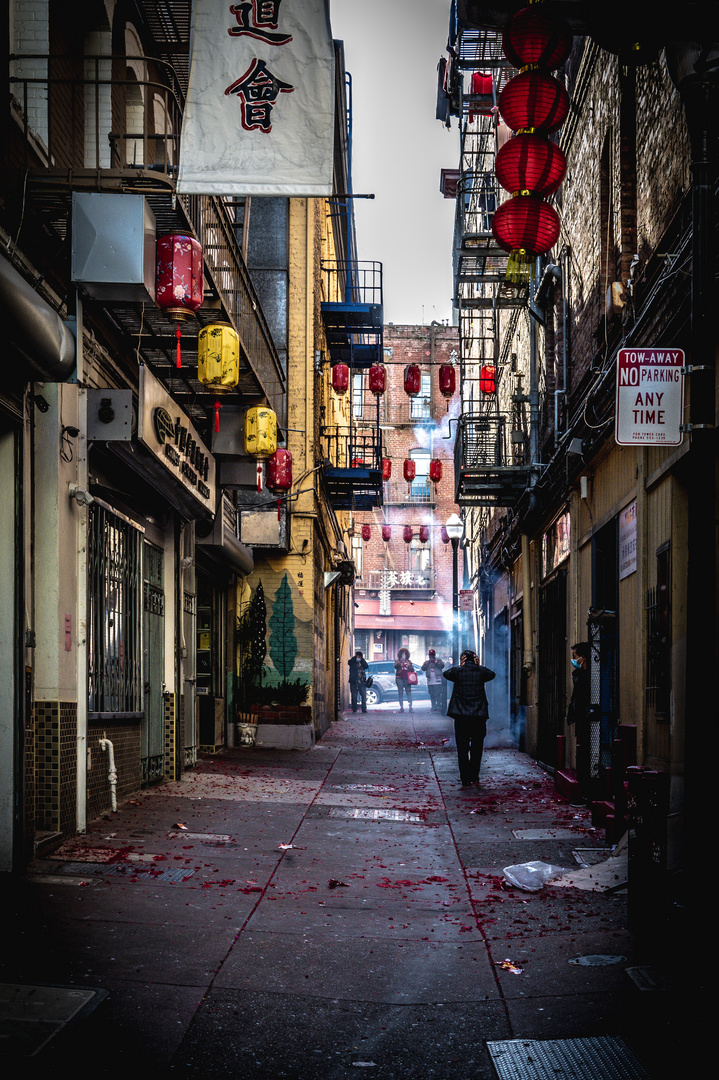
column 283, row 714
column 272, row 736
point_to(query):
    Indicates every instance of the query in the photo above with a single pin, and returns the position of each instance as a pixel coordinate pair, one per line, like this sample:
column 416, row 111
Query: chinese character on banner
column 406, row 577
column 258, row 89
column 258, row 19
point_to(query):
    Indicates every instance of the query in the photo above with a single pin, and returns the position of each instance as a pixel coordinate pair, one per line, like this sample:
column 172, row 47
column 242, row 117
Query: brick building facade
column 403, row 593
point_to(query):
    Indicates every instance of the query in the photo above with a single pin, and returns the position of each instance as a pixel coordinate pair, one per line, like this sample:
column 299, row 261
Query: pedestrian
column 469, row 709
column 434, row 667
column 578, row 712
column 358, row 680
column 405, row 676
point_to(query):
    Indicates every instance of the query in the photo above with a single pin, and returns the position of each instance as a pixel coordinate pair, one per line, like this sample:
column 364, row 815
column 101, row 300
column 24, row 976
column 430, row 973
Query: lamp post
column 455, row 529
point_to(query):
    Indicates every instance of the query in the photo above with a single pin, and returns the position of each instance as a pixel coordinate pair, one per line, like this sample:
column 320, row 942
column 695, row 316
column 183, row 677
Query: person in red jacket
column 469, row 709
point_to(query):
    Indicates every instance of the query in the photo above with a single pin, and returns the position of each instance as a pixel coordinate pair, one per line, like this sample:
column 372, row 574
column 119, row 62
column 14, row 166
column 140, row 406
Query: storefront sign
column 555, row 545
column 650, row 397
column 628, row 541
column 168, row 432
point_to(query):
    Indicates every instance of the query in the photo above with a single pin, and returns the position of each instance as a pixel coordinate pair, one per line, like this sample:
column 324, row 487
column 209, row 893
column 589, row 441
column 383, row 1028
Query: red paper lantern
column 447, row 380
column 179, row 279
column 366, row 532
column 279, row 471
column 358, row 463
column 530, row 162
column 537, row 35
column 386, row 532
column 534, row 101
column 409, row 469
column 488, row 379
column 444, row 535
column 386, row 468
column 377, row 379
column 435, row 470
column 412, row 379
column 525, row 226
column 424, row 533
column 340, row 378
column 407, row 534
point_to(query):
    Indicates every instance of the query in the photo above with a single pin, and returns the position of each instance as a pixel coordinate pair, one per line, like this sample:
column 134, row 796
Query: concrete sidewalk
column 303, row 914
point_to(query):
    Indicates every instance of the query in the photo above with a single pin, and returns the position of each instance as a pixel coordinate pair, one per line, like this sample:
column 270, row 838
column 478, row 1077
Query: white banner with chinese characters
column 259, row 117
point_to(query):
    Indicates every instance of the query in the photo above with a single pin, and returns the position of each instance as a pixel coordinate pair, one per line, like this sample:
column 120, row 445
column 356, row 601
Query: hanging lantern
column 481, row 85
column 386, row 468
column 525, row 226
column 423, row 534
column 444, row 535
column 530, row 163
column 488, row 379
column 407, row 534
column 377, row 379
column 386, row 533
column 340, row 378
column 279, row 471
column 435, row 470
column 534, row 101
column 179, row 276
column 218, row 356
column 537, row 35
column 412, row 380
column 409, row 469
column 447, row 380
column 260, row 432
column 366, row 532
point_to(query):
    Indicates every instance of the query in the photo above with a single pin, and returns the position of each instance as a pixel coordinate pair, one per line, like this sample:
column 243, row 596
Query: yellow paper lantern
column 260, row 432
column 218, row 357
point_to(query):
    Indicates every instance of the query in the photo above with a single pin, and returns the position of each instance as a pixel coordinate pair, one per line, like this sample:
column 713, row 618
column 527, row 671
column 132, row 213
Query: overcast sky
column 392, row 48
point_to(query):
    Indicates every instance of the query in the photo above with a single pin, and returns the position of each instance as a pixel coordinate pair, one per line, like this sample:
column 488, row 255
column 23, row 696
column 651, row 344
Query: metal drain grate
column 31, row 1015
column 600, row 1058
column 376, row 815
column 160, row 875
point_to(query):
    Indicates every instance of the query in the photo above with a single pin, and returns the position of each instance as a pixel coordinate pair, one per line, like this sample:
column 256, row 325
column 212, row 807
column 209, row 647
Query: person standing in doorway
column 434, row 667
column 358, row 680
column 469, row 709
column 402, row 670
column 578, row 712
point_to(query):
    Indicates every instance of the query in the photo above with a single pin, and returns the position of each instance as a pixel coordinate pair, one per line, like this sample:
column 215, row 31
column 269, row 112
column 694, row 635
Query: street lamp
column 455, row 529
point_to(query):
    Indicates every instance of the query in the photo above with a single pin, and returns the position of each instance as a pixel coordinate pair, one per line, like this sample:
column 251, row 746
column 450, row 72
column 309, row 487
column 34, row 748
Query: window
column 421, row 488
column 357, row 394
column 420, row 406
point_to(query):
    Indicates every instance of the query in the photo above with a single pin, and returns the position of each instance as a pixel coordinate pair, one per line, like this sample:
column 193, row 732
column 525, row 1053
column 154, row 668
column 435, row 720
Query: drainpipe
column 105, row 744
column 527, row 627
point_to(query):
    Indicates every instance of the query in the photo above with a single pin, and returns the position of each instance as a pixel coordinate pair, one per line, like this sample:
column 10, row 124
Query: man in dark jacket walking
column 469, row 709
column 358, row 679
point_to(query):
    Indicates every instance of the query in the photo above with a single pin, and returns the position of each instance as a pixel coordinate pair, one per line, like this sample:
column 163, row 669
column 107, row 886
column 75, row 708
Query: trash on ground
column 532, row 876
column 285, row 847
column 509, row 965
column 333, row 883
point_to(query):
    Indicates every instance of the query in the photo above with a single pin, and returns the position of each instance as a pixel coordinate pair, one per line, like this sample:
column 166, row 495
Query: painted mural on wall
column 275, row 642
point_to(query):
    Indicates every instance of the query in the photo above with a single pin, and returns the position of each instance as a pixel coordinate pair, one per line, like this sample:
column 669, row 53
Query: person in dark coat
column 358, row 680
column 469, row 709
column 578, row 712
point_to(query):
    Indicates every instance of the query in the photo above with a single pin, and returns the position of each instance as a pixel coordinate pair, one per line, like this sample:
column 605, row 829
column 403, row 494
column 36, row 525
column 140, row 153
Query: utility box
column 113, row 246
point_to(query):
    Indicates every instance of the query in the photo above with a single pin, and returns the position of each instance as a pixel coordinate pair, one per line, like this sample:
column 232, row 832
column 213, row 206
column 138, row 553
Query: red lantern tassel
column 178, row 336
column 259, row 476
column 217, row 406
column 279, row 507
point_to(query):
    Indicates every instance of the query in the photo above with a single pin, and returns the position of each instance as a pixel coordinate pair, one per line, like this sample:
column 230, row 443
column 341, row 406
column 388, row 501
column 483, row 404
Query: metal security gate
column 552, row 666
column 153, row 664
column 114, row 616
column 604, row 690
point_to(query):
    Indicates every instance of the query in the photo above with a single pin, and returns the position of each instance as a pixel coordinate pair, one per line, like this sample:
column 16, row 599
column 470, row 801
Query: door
column 153, row 664
column 552, row 667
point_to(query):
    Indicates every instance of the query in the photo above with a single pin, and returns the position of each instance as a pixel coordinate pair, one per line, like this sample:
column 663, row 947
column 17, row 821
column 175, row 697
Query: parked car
column 384, row 685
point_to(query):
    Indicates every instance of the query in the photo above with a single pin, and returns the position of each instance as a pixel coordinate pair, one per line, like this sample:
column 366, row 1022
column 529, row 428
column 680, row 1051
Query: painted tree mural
column 283, row 643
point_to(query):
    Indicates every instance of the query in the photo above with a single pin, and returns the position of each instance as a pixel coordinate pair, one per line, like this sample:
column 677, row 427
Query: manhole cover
column 598, row 960
column 375, row 815
column 31, row 1015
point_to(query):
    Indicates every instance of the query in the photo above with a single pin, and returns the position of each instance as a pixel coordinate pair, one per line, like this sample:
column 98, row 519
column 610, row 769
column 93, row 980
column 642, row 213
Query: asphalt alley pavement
column 304, row 915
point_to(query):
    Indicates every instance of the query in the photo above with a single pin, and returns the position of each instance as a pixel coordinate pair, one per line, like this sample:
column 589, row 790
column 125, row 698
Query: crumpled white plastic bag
column 532, row 876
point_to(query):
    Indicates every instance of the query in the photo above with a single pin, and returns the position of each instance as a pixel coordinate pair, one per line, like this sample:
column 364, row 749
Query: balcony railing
column 350, row 449
column 94, row 113
column 419, row 493
column 491, row 463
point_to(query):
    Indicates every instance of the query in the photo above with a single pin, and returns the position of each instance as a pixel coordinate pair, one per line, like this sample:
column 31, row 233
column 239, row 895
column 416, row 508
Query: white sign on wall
column 628, row 540
column 650, row 397
column 466, row 600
